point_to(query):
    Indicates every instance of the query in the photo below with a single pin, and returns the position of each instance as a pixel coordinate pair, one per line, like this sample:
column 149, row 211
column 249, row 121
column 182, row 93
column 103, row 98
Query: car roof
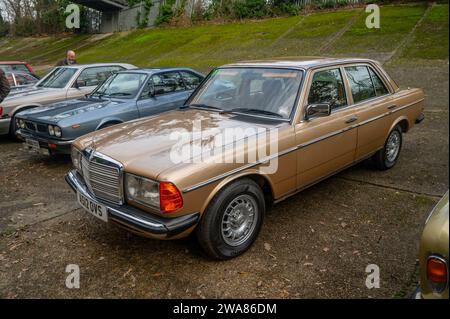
column 90, row 65
column 155, row 70
column 12, row 62
column 306, row 63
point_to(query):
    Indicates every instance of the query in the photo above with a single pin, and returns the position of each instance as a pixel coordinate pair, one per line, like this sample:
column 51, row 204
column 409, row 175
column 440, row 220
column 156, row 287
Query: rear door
column 163, row 92
column 371, row 101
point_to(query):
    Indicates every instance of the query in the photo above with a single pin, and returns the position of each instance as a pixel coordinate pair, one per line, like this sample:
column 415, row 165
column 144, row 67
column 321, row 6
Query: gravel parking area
column 316, row 244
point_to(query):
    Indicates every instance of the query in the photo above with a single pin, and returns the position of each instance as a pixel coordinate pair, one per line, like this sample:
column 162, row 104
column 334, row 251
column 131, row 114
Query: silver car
column 62, row 83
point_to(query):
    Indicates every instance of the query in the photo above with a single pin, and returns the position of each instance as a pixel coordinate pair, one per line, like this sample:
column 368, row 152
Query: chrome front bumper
column 134, row 219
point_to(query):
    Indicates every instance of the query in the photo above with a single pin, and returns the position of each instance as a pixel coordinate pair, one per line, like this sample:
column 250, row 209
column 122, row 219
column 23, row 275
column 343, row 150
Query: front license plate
column 96, row 209
column 32, row 145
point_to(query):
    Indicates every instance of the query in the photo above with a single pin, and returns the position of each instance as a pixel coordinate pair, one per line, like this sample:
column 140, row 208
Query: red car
column 13, row 66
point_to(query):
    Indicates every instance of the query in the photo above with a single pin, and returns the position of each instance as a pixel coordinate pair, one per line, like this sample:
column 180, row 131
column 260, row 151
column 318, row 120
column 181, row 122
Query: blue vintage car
column 124, row 96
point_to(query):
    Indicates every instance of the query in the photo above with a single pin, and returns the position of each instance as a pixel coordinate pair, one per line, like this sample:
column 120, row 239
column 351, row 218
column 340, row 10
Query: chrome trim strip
column 295, row 148
column 219, row 177
column 320, row 179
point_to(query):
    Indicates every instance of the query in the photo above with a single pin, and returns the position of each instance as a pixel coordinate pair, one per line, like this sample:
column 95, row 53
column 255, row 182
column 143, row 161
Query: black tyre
column 232, row 221
column 387, row 157
column 13, row 128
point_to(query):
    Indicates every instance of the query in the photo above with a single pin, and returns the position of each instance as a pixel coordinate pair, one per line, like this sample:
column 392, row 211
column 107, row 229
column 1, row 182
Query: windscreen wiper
column 202, row 106
column 252, row 110
column 119, row 94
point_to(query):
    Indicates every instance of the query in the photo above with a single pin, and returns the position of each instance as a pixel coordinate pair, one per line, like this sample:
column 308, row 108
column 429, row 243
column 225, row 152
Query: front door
column 163, row 92
column 325, row 143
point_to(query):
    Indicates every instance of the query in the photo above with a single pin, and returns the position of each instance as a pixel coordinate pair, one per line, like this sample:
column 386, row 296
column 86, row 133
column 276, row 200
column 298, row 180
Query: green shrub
column 165, row 14
column 251, row 9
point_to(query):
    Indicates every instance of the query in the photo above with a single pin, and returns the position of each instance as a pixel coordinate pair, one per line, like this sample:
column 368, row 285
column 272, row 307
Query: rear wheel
column 232, row 221
column 387, row 157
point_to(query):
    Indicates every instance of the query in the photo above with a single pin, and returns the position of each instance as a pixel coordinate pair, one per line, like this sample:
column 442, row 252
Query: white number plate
column 34, row 147
column 32, row 144
column 96, row 209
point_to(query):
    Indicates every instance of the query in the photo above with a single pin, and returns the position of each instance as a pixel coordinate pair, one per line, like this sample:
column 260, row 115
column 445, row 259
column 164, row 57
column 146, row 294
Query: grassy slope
column 204, row 47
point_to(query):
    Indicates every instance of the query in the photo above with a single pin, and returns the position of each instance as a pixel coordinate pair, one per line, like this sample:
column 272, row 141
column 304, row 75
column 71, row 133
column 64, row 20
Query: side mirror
column 318, row 110
column 79, row 83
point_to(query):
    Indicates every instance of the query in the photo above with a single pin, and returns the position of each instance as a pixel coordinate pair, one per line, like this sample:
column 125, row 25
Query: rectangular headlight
column 142, row 190
column 76, row 158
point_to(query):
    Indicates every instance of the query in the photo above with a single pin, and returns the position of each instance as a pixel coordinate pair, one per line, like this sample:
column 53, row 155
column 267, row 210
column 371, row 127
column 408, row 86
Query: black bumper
column 134, row 219
column 420, row 118
column 58, row 146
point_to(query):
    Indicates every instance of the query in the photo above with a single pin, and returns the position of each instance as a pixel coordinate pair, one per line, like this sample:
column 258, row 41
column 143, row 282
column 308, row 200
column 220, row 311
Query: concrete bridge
column 117, row 15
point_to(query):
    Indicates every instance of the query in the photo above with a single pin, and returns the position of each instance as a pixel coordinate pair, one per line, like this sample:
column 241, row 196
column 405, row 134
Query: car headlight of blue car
column 54, row 130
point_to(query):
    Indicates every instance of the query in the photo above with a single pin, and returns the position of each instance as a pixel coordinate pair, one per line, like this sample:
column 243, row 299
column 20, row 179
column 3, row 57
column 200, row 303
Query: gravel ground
column 316, row 244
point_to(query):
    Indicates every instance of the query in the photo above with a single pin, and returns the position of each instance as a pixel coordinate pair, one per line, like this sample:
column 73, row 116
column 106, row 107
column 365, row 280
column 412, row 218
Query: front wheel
column 387, row 157
column 13, row 128
column 232, row 221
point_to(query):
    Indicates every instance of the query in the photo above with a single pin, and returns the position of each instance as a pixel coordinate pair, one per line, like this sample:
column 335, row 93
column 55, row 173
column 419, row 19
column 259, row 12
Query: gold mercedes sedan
column 433, row 254
column 252, row 134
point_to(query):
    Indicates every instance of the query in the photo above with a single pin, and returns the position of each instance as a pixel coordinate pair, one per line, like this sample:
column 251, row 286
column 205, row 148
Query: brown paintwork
column 143, row 146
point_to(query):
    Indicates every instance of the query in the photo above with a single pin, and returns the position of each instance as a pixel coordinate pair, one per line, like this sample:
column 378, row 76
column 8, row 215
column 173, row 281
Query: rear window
column 360, row 83
column 14, row 67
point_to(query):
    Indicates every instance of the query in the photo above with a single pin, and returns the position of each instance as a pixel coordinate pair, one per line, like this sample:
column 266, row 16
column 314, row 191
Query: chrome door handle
column 351, row 120
column 391, row 107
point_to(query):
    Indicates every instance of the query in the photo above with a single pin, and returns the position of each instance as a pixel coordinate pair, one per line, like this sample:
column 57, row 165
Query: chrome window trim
column 294, row 148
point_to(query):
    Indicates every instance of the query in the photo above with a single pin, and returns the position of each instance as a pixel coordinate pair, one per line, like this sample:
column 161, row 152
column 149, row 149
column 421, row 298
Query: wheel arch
column 108, row 120
column 403, row 121
column 262, row 180
column 23, row 107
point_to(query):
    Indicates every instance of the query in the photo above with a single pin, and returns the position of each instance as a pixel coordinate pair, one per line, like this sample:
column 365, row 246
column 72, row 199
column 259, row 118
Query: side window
column 168, row 82
column 23, row 79
column 380, row 88
column 191, row 80
column 360, row 83
column 19, row 67
column 10, row 79
column 96, row 76
column 147, row 89
column 328, row 87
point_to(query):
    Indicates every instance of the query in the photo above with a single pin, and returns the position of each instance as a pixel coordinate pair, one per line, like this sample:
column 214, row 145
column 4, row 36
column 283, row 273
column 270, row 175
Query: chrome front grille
column 103, row 176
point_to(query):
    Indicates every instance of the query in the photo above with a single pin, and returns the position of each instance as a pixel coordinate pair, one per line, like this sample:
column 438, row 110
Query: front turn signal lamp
column 170, row 198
